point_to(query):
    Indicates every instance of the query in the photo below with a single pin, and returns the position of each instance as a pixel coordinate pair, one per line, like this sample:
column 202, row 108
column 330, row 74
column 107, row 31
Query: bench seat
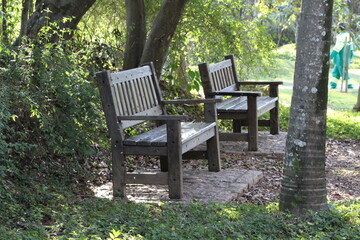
column 158, row 136
column 239, row 104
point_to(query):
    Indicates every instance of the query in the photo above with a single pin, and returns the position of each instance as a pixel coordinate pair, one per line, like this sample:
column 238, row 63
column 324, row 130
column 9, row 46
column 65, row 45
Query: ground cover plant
column 71, row 218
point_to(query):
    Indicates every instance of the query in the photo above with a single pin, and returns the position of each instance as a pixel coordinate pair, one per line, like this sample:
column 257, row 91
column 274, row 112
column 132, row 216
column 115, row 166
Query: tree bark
column 25, row 16
column 4, row 22
column 354, row 7
column 55, row 10
column 163, row 29
column 357, row 105
column 304, row 181
column 136, row 32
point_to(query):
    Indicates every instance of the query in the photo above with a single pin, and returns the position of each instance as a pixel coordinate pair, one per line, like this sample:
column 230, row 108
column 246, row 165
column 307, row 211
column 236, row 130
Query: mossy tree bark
column 304, row 182
column 48, row 11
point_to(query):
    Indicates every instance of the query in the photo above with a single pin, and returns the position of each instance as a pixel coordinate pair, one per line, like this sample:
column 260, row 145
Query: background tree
column 135, row 31
column 304, row 180
column 67, row 13
column 162, row 30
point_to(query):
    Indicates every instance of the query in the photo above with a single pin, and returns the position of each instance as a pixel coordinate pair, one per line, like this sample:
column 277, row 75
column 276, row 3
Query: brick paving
column 205, row 186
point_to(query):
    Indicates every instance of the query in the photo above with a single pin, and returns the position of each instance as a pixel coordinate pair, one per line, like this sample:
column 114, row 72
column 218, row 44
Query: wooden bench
column 133, row 96
column 243, row 108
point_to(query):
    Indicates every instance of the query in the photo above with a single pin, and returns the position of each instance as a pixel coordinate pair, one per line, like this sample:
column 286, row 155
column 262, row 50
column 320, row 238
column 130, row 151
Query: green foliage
column 208, row 31
column 51, row 121
column 64, row 217
column 343, row 124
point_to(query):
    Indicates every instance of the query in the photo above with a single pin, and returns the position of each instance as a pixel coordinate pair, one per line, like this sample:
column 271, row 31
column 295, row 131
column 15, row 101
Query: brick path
column 208, row 186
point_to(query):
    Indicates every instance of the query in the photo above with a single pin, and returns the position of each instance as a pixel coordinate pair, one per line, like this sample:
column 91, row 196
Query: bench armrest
column 192, row 101
column 238, row 93
column 154, row 117
column 260, row 83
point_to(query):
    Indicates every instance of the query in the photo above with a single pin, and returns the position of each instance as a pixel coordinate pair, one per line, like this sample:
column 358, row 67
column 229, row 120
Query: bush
column 51, row 123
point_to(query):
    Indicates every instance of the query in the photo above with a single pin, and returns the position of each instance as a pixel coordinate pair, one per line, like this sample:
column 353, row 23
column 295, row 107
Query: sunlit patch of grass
column 343, row 124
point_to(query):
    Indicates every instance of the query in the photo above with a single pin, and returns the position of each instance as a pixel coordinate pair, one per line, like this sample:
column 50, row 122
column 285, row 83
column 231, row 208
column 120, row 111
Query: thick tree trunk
column 164, row 26
column 304, row 181
column 136, row 32
column 55, row 10
column 357, row 105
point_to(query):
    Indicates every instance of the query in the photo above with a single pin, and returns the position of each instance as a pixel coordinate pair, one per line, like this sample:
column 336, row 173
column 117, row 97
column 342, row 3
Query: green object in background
column 333, row 85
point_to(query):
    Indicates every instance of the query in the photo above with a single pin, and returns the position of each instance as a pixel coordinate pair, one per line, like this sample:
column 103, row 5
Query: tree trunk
column 4, row 22
column 55, row 10
column 163, row 29
column 354, row 7
column 304, row 181
column 357, row 105
column 136, row 32
column 25, row 16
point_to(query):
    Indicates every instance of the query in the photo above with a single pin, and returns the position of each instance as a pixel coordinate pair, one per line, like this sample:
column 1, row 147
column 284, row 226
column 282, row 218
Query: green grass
column 343, row 122
column 71, row 218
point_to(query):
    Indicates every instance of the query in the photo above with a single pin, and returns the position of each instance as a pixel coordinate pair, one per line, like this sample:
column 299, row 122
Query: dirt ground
column 342, row 169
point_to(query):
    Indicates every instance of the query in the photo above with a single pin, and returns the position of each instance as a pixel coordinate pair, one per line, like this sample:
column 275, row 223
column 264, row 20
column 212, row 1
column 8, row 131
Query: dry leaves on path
column 342, row 169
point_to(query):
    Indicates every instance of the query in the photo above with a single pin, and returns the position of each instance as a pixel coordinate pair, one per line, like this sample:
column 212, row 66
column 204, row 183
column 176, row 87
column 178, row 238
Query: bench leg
column 274, row 120
column 252, row 124
column 174, row 157
column 237, row 126
column 213, row 153
column 164, row 166
column 212, row 145
column 274, row 113
column 119, row 172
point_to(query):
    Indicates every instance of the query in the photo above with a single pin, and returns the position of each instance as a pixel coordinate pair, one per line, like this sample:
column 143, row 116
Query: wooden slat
column 145, row 150
column 127, row 75
column 157, row 136
column 195, row 140
column 150, row 92
column 233, row 137
column 135, row 96
column 233, row 104
column 140, row 96
column 116, row 99
column 145, row 100
column 160, row 178
column 220, row 65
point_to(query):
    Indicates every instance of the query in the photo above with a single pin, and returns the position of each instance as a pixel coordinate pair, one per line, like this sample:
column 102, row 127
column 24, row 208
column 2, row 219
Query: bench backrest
column 130, row 92
column 220, row 76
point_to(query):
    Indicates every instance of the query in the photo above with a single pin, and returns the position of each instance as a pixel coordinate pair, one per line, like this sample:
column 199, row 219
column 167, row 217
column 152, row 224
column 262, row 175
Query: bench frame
column 221, row 79
column 124, row 107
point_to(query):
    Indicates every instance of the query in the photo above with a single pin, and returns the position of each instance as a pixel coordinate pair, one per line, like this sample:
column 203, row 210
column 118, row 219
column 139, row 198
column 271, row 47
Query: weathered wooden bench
column 132, row 97
column 243, row 107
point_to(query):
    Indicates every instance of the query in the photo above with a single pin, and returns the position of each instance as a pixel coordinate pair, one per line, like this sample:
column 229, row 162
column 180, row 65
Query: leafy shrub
column 51, row 122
